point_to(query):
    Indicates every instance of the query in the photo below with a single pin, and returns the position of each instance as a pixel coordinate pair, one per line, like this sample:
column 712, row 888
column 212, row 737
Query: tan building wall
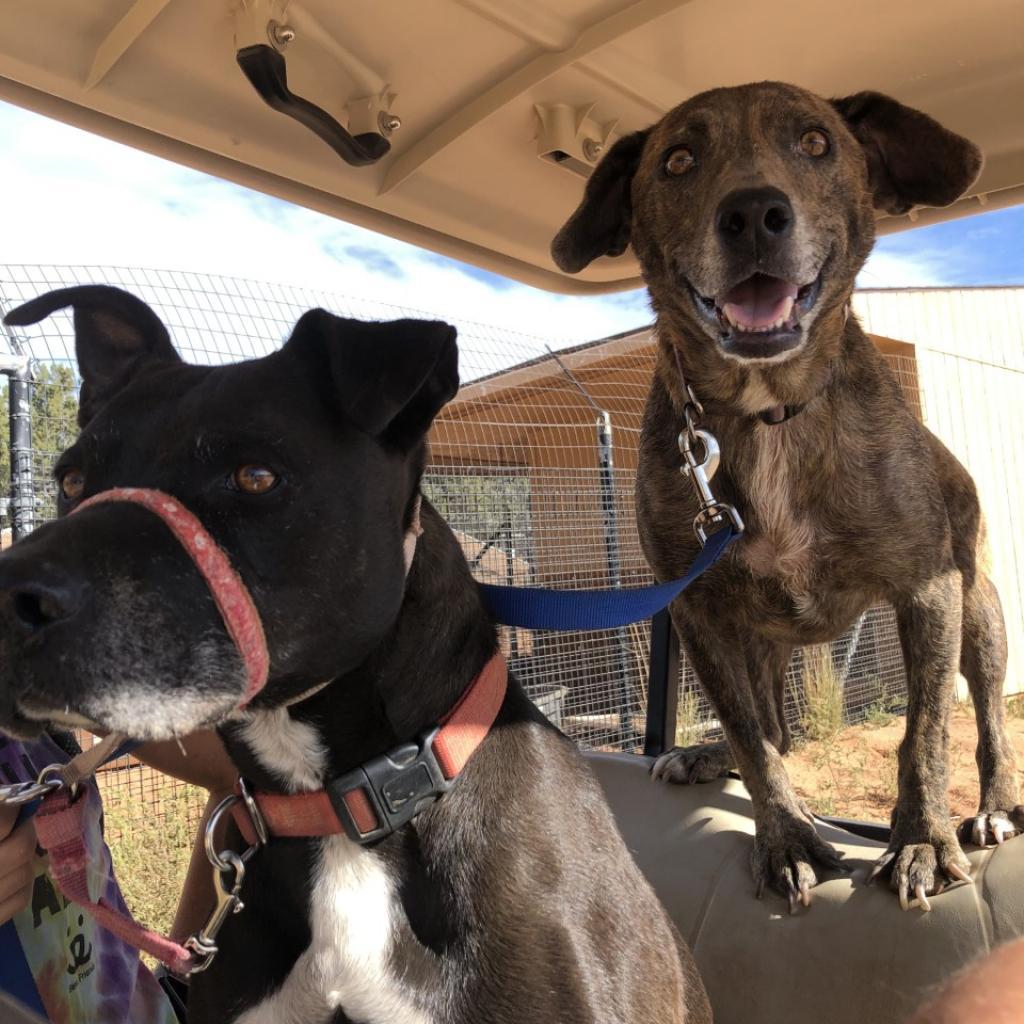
column 970, row 360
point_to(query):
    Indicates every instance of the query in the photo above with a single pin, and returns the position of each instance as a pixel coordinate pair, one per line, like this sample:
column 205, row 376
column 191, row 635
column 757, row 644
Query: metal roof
column 481, row 87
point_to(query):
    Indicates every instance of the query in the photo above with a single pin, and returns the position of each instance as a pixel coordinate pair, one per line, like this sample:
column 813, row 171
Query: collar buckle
column 397, row 786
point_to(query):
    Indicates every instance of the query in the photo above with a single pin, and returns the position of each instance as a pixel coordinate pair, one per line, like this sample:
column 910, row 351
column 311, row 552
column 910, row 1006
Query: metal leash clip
column 712, row 512
column 17, row 793
column 227, row 884
column 228, row 876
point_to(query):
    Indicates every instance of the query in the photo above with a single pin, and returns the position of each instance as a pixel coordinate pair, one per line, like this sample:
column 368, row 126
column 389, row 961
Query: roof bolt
column 388, row 123
column 280, row 35
column 592, row 150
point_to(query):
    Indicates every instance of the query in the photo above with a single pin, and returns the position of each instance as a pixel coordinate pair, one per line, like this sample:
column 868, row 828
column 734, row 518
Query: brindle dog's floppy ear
column 912, row 159
column 115, row 332
column 602, row 222
column 389, row 379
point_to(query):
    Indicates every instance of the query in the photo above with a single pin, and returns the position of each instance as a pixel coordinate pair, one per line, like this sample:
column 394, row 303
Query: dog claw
column 880, row 865
column 978, row 831
column 922, row 897
column 988, row 828
column 805, row 894
column 957, row 872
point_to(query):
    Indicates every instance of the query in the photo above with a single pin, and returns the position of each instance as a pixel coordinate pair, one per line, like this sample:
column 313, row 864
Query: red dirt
column 853, row 775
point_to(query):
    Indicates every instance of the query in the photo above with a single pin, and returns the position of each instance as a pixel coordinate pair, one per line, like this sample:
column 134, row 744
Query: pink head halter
column 230, row 594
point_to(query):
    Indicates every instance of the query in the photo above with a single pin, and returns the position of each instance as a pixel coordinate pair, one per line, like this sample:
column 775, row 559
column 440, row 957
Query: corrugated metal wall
column 970, row 363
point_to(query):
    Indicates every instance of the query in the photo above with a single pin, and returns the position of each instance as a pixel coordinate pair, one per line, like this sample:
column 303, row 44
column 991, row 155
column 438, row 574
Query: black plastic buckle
column 399, row 785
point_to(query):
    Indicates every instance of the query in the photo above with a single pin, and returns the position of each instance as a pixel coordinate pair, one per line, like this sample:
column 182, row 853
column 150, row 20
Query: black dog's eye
column 72, row 484
column 678, row 161
column 814, row 142
column 254, row 479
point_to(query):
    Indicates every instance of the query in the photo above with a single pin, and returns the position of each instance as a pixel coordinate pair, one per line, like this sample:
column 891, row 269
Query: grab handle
column 265, row 68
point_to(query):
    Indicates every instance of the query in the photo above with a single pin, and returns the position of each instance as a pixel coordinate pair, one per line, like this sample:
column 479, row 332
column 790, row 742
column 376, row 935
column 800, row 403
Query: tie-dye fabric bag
column 53, row 957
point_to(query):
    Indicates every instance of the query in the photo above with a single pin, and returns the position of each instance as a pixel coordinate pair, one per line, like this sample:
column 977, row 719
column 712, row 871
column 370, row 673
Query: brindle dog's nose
column 34, row 605
column 754, row 220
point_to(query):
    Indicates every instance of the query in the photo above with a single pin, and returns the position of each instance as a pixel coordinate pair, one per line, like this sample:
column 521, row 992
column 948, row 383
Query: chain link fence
column 532, row 465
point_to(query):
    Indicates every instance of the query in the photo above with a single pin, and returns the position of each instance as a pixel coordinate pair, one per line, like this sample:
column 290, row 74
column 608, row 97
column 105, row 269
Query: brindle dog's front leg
column 983, row 655
column 923, row 849
column 786, row 845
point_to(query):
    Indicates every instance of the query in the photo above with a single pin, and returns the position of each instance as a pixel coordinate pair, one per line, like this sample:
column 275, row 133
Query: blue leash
column 537, row 608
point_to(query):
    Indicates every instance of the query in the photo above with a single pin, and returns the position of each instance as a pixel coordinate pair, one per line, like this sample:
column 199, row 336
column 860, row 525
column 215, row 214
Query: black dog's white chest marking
column 354, row 912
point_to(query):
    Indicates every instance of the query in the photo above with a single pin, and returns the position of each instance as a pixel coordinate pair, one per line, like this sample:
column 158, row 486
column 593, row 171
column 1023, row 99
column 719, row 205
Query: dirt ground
column 853, row 774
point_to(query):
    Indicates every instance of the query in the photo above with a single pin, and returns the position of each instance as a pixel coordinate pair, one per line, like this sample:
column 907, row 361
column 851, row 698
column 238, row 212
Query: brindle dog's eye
column 72, row 484
column 254, row 479
column 679, row 161
column 814, row 142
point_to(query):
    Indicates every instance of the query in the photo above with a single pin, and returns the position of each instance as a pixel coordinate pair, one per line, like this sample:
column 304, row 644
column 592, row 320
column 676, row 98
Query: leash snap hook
column 48, row 781
column 711, row 512
column 203, row 944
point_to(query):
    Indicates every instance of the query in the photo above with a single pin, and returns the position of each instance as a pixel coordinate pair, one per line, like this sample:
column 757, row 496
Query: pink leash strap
column 230, row 594
column 60, row 829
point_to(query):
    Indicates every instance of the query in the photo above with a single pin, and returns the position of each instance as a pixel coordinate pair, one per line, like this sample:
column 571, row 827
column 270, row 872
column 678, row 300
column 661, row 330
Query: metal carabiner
column 203, row 944
column 17, row 793
column 711, row 511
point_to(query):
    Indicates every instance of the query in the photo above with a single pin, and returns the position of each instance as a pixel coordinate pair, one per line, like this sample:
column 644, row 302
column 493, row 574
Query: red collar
column 388, row 791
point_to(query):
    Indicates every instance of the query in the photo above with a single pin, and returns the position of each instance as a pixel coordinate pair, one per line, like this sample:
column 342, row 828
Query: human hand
column 17, row 849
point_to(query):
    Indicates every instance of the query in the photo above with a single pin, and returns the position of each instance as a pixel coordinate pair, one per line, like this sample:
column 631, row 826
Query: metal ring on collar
column 224, row 860
column 258, row 823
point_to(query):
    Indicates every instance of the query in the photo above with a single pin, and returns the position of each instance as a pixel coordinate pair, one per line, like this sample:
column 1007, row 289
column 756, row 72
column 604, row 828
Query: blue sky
column 73, row 198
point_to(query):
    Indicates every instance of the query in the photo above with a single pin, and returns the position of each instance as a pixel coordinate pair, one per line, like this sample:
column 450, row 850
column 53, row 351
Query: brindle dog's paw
column 784, row 856
column 703, row 762
column 923, row 869
column 992, row 828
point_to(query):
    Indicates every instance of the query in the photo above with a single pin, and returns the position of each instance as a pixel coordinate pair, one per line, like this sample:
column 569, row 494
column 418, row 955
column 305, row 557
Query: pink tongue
column 758, row 301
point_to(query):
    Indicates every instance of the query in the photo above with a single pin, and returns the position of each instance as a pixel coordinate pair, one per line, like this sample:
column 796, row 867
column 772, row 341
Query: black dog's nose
column 34, row 606
column 754, row 219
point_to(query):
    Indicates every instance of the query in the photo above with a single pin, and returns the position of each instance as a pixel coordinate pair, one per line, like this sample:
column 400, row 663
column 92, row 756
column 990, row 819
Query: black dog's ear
column 114, row 333
column 602, row 222
column 912, row 159
column 389, row 379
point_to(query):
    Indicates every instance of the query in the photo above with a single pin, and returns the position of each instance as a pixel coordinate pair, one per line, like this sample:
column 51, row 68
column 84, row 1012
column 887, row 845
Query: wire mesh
column 533, row 466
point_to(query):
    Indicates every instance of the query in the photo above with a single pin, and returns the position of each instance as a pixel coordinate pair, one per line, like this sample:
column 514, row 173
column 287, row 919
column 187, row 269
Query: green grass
column 879, row 714
column 689, row 727
column 821, row 703
column 150, row 839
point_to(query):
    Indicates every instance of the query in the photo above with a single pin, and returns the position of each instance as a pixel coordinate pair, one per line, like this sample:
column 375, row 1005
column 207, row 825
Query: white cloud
column 74, row 198
column 904, row 270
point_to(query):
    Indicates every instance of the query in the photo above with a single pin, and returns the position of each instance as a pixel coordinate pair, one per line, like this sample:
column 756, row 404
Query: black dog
column 511, row 898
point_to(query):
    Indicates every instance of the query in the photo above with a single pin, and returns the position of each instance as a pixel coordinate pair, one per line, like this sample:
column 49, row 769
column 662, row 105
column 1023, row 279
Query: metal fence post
column 18, row 370
column 662, row 686
column 606, row 467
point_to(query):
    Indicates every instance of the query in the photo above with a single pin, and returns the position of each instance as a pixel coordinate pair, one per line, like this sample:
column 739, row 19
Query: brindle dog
column 751, row 210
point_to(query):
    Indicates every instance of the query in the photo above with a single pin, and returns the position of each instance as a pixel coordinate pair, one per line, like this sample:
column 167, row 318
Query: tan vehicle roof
column 504, row 104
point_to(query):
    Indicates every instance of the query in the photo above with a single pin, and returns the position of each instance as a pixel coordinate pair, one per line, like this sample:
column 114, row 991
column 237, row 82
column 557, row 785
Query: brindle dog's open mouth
column 759, row 318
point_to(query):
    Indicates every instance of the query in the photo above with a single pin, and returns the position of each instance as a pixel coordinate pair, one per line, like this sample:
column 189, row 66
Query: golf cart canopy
column 469, row 126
